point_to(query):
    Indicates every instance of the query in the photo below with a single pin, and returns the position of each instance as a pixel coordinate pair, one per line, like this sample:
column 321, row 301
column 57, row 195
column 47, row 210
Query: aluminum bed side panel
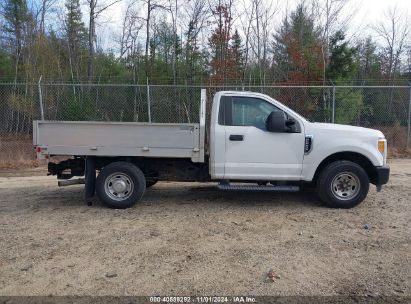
column 118, row 139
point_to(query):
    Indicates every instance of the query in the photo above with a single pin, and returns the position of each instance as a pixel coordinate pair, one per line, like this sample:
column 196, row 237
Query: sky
column 365, row 14
column 373, row 11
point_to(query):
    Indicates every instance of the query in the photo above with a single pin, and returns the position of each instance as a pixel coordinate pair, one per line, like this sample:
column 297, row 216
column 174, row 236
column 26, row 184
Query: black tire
column 116, row 176
column 151, row 183
column 343, row 184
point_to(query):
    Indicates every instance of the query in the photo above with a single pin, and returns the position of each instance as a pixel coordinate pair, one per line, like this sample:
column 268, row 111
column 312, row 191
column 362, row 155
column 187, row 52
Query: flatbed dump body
column 83, row 138
column 141, row 139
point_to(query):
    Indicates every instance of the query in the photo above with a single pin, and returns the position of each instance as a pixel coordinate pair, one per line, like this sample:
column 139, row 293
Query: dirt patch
column 186, row 239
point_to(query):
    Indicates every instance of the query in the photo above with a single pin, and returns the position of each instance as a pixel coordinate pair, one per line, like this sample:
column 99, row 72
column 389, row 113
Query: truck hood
column 345, row 130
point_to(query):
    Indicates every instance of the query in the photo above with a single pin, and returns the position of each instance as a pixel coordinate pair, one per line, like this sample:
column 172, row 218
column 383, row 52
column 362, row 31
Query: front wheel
column 343, row 184
column 120, row 185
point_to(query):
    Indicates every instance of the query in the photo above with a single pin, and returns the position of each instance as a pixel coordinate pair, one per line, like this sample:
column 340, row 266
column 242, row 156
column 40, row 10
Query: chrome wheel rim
column 118, row 186
column 345, row 186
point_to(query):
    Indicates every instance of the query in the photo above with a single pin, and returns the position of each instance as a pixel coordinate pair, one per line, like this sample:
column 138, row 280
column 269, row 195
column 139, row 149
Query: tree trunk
column 91, row 35
column 43, row 14
column 147, row 38
column 175, row 44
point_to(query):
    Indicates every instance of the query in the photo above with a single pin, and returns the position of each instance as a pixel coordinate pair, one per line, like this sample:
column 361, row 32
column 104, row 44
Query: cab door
column 253, row 153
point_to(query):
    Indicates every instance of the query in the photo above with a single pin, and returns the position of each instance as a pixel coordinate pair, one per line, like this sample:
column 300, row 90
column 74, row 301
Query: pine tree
column 238, row 53
column 341, row 69
column 16, row 15
column 75, row 34
column 192, row 53
column 298, row 48
column 298, row 59
column 369, row 65
column 342, row 60
column 6, row 66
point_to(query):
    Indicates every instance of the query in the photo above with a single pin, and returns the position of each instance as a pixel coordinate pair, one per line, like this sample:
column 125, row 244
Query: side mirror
column 290, row 122
column 276, row 121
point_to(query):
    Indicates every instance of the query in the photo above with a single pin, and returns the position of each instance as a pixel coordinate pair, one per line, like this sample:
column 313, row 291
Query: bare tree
column 246, row 22
column 196, row 13
column 46, row 5
column 174, row 16
column 394, row 33
column 129, row 46
column 332, row 18
column 96, row 9
column 152, row 5
column 257, row 28
column 408, row 71
column 131, row 27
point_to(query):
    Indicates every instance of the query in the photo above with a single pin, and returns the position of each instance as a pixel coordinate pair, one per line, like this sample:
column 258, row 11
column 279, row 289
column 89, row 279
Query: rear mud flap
column 90, row 179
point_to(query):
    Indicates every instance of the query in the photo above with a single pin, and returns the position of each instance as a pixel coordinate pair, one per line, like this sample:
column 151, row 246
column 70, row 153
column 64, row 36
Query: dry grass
column 396, row 137
column 399, row 152
column 17, row 152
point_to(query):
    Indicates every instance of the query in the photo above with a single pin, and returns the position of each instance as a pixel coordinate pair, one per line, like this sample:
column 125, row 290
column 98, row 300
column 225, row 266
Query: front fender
column 323, row 149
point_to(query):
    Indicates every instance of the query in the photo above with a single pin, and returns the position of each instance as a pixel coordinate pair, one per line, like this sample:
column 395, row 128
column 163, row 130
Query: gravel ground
column 185, row 239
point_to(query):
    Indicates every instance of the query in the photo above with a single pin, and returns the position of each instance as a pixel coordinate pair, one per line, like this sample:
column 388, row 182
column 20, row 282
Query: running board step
column 269, row 188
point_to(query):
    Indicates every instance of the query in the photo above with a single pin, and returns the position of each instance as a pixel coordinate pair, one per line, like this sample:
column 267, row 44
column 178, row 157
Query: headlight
column 382, row 144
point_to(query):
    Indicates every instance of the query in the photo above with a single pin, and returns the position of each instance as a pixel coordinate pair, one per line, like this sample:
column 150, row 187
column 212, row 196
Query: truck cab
column 254, row 137
column 254, row 143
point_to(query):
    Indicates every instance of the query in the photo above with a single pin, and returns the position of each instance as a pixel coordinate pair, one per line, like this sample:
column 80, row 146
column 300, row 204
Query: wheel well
column 357, row 158
column 164, row 169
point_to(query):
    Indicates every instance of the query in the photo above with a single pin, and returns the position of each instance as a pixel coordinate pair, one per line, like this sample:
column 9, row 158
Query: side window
column 249, row 111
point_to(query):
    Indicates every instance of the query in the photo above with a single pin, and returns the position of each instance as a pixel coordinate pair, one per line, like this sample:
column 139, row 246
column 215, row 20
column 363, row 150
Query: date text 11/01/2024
column 203, row 299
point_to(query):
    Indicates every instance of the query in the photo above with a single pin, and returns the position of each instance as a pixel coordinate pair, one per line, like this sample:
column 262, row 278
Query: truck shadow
column 211, row 195
column 167, row 195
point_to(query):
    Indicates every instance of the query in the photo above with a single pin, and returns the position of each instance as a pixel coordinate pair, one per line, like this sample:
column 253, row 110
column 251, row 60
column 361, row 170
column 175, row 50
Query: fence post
column 333, row 106
column 41, row 98
column 409, row 118
column 148, row 102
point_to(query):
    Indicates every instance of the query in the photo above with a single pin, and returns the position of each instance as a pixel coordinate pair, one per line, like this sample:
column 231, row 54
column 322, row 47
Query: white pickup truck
column 253, row 143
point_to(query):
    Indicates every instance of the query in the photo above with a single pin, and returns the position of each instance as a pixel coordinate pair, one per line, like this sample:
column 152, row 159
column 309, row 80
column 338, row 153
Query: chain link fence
column 384, row 107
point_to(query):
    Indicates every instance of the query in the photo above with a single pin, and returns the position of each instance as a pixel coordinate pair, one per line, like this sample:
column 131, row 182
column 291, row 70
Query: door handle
column 236, row 137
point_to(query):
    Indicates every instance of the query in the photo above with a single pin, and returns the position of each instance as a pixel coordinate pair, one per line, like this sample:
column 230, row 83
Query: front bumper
column 382, row 175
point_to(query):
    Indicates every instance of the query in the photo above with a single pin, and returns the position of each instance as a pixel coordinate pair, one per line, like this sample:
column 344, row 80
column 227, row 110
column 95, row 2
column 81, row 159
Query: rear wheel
column 120, row 185
column 343, row 184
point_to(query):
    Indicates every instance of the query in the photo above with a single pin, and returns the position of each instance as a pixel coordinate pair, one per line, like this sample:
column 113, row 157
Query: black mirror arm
column 290, row 122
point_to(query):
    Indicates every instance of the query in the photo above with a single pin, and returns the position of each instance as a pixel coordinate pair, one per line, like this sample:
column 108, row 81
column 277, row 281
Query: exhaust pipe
column 78, row 181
